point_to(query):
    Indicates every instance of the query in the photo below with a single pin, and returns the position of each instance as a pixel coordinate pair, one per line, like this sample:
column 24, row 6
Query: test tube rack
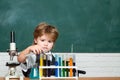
column 64, row 71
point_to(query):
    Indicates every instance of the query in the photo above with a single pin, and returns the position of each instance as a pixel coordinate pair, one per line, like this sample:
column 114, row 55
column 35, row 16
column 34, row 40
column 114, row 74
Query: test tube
column 41, row 64
column 67, row 69
column 48, row 72
column 44, row 64
column 60, row 63
column 74, row 64
column 56, row 64
column 63, row 64
column 71, row 64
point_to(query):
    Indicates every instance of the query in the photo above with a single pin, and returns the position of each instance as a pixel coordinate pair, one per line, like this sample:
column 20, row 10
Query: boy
column 45, row 36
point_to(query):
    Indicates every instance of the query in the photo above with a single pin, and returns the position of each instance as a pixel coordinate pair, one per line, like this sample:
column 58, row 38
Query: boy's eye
column 50, row 41
column 42, row 40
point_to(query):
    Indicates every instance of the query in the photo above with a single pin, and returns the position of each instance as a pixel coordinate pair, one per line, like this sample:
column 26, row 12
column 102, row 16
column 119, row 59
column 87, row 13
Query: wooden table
column 80, row 78
column 2, row 78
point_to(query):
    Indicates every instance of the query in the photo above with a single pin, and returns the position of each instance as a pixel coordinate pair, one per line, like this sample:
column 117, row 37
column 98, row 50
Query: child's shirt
column 31, row 61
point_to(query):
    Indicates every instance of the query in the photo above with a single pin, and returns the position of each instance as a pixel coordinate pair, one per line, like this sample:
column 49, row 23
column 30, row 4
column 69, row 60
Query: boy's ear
column 35, row 41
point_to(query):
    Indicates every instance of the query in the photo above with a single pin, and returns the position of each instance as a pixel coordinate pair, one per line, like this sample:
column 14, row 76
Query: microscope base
column 13, row 74
column 14, row 77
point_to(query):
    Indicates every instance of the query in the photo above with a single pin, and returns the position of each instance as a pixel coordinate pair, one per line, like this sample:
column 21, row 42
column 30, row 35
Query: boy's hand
column 35, row 49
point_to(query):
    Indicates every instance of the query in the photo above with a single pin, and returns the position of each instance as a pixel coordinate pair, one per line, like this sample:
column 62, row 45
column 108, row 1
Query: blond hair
column 44, row 28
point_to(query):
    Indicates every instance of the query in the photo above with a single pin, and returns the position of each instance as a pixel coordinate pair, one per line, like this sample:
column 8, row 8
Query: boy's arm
column 33, row 48
column 22, row 56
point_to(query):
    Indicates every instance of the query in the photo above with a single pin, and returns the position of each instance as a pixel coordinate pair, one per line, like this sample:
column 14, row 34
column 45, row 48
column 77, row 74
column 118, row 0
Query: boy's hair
column 44, row 28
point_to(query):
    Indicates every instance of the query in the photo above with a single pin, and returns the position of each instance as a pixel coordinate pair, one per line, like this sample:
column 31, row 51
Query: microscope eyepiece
column 12, row 36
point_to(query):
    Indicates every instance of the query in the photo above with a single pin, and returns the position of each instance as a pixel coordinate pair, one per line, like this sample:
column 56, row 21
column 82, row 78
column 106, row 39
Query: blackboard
column 84, row 25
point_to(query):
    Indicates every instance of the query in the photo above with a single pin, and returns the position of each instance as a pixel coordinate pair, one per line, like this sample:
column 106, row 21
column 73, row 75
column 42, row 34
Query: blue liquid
column 59, row 65
column 34, row 74
column 56, row 69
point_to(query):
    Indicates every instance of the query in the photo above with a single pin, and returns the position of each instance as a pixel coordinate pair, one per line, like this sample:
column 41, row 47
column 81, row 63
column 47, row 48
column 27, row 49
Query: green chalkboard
column 84, row 25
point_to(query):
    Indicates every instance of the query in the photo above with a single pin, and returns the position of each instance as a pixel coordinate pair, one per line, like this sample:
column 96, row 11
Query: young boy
column 45, row 36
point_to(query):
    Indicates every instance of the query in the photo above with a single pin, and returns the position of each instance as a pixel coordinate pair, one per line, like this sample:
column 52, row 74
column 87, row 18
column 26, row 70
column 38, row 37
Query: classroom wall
column 88, row 25
column 99, row 64
column 95, row 64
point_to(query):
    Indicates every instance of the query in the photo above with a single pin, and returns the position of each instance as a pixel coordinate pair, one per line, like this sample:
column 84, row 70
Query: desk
column 2, row 78
column 82, row 78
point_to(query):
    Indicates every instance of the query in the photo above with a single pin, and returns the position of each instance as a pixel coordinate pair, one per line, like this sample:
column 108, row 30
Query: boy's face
column 45, row 43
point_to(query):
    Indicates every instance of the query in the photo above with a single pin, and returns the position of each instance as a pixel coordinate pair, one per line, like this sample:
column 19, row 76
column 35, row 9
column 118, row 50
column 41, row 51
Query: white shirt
column 31, row 61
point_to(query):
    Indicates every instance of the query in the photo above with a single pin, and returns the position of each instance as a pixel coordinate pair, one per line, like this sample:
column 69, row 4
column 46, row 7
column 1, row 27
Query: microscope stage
column 12, row 64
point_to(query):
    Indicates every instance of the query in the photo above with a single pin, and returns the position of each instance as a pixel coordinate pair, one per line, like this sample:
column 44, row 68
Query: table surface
column 2, row 78
column 80, row 78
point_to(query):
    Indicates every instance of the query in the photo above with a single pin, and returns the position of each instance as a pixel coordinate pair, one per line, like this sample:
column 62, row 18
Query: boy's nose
column 46, row 43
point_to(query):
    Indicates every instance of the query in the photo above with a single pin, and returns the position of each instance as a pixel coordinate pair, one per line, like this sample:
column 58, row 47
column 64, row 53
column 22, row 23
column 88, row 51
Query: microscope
column 12, row 72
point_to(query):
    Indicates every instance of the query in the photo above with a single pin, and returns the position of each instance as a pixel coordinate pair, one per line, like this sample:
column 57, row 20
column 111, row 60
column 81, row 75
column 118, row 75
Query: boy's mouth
column 45, row 49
